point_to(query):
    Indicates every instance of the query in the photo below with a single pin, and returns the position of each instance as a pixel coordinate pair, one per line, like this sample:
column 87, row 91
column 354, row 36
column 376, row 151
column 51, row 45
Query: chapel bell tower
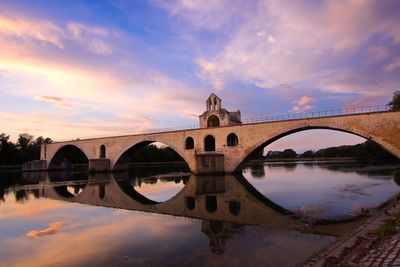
column 215, row 115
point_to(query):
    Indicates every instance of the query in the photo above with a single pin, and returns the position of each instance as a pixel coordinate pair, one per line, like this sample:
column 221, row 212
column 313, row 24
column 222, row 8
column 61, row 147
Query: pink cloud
column 318, row 44
column 51, row 230
column 118, row 87
column 394, row 65
column 301, row 104
column 57, row 101
column 44, row 31
column 303, row 100
column 30, row 208
column 205, row 14
column 301, row 108
column 91, row 37
column 25, row 30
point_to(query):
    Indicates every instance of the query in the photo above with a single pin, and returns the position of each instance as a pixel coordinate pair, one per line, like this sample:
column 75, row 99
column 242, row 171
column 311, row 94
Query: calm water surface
column 326, row 190
column 166, row 218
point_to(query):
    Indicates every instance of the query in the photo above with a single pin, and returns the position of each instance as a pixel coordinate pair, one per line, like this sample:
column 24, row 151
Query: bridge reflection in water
column 224, row 203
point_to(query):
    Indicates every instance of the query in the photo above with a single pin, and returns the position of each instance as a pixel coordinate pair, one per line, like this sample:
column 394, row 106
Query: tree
column 24, row 150
column 307, row 154
column 285, row 154
column 25, row 145
column 289, row 153
column 395, row 103
column 24, row 141
column 8, row 151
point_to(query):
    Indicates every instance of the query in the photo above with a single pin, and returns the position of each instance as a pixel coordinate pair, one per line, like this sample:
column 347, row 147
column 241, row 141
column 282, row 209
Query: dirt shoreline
column 371, row 240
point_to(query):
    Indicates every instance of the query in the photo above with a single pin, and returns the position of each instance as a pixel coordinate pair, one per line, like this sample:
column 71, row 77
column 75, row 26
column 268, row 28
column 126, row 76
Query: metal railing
column 318, row 114
column 138, row 132
column 274, row 118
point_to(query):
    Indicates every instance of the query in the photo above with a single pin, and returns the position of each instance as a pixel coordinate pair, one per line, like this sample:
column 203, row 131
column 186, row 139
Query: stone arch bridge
column 227, row 198
column 218, row 149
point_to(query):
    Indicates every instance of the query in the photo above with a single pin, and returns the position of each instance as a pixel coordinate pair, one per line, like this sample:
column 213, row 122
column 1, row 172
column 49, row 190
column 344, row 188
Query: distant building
column 216, row 116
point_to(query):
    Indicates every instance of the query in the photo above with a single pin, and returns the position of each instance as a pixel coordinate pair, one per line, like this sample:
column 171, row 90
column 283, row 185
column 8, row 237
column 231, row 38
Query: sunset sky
column 73, row 69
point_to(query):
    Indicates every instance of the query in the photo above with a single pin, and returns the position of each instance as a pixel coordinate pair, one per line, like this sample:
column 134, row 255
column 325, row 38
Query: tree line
column 152, row 153
column 366, row 150
column 26, row 148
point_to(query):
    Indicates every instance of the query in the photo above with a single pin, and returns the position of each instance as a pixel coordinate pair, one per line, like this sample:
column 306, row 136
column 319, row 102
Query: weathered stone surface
column 108, row 190
column 210, row 162
column 35, row 165
column 380, row 127
column 99, row 165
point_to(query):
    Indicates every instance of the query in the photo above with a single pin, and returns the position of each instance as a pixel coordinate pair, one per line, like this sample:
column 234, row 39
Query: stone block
column 209, row 163
column 35, row 165
column 99, row 165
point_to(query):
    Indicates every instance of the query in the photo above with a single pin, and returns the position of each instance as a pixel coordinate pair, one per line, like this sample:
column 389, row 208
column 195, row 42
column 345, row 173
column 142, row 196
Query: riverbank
column 333, row 159
column 374, row 242
column 10, row 167
column 312, row 159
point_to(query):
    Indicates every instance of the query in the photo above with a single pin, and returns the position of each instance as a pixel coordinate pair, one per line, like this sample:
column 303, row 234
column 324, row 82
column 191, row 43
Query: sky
column 73, row 69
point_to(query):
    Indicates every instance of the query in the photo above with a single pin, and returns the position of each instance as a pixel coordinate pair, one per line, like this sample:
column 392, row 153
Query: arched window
column 209, row 143
column 213, row 121
column 190, row 203
column 234, row 207
column 211, row 203
column 232, row 140
column 102, row 191
column 189, row 143
column 102, row 152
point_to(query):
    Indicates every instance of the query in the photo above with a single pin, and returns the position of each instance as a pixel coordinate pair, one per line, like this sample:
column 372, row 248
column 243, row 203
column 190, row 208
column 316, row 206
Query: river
column 164, row 216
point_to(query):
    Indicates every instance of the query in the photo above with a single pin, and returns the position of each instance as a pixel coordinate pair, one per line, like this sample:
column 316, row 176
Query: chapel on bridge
column 215, row 115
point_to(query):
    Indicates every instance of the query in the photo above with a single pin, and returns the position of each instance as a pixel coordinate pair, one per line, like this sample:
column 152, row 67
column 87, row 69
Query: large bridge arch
column 123, row 156
column 266, row 139
column 59, row 159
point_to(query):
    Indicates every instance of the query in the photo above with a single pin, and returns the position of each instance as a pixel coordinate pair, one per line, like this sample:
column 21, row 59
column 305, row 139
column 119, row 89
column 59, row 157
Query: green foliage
column 308, row 154
column 27, row 148
column 366, row 150
column 152, row 153
column 395, row 103
column 285, row 154
column 389, row 228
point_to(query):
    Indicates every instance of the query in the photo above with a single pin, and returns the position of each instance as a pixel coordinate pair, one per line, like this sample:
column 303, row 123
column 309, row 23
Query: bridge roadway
column 221, row 154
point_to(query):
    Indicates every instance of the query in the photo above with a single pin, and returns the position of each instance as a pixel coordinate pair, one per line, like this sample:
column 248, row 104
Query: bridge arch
column 266, row 140
column 130, row 191
column 62, row 157
column 122, row 160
